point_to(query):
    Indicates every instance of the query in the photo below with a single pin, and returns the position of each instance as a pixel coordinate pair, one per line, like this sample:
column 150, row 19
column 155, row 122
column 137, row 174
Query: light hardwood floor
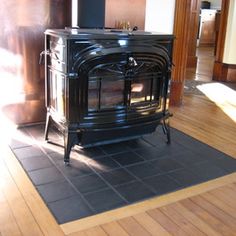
column 205, row 63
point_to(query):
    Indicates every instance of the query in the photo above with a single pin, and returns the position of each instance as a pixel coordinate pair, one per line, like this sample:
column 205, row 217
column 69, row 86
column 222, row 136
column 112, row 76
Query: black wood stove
column 105, row 86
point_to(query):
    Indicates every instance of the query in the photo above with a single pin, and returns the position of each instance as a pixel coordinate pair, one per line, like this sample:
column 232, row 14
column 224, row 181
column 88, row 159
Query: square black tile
column 127, row 158
column 161, row 151
column 104, row 200
column 103, row 164
column 185, row 140
column 36, row 131
column 91, row 152
column 76, row 168
column 30, row 151
column 49, row 147
column 32, row 163
column 56, row 191
column 115, row 148
column 209, row 153
column 189, row 158
column 69, row 209
column 162, row 184
column 144, row 170
column 56, row 156
column 20, row 139
column 154, row 140
column 141, row 191
column 150, row 153
column 206, row 170
column 46, row 175
column 89, row 183
column 138, row 144
column 226, row 163
column 15, row 143
column 158, row 139
column 186, row 177
column 55, row 138
column 117, row 177
column 167, row 164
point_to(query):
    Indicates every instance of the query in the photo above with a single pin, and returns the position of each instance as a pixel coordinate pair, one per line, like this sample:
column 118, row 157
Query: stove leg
column 48, row 122
column 70, row 139
column 166, row 129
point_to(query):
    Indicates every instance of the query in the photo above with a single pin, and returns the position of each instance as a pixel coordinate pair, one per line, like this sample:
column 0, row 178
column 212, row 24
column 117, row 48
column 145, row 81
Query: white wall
column 230, row 45
column 74, row 13
column 215, row 4
column 160, row 16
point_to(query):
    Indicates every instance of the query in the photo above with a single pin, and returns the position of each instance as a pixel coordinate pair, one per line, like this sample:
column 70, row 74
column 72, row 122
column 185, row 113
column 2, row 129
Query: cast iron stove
column 105, row 86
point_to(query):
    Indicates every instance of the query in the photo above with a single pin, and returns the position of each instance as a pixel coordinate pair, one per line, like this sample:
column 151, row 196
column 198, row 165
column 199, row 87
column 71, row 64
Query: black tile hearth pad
column 111, row 176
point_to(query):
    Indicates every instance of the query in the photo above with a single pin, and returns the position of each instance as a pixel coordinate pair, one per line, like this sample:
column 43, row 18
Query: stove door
column 119, row 89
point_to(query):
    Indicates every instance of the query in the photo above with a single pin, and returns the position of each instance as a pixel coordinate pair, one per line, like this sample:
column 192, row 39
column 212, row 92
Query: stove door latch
column 132, row 62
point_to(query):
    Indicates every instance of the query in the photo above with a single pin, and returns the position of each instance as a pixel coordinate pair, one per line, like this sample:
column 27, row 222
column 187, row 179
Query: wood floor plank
column 232, row 186
column 95, row 231
column 8, row 225
column 114, row 229
column 194, row 219
column 166, row 223
column 225, row 218
column 80, row 233
column 220, row 204
column 181, row 221
column 132, row 227
column 152, row 226
column 226, row 195
column 214, row 223
column 19, row 208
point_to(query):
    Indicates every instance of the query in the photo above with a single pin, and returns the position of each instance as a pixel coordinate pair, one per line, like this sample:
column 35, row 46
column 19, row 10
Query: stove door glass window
column 112, row 94
column 140, row 91
column 145, row 90
column 106, row 93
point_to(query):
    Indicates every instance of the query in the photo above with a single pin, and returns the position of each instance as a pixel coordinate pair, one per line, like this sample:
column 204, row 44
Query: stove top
column 94, row 32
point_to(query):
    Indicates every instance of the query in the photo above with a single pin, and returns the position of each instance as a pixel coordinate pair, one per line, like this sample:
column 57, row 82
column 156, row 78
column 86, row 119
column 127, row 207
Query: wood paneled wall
column 221, row 71
column 180, row 53
column 125, row 10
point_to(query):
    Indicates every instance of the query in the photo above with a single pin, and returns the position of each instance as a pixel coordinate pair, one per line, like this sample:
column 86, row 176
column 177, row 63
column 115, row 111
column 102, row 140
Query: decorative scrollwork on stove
column 143, row 55
column 119, row 65
column 107, row 69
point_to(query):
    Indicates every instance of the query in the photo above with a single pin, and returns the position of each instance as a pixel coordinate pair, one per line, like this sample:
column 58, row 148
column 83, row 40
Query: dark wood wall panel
column 180, row 53
column 23, row 23
column 220, row 70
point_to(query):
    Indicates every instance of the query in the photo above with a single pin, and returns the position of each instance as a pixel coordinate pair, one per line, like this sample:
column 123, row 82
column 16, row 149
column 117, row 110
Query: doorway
column 206, row 43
